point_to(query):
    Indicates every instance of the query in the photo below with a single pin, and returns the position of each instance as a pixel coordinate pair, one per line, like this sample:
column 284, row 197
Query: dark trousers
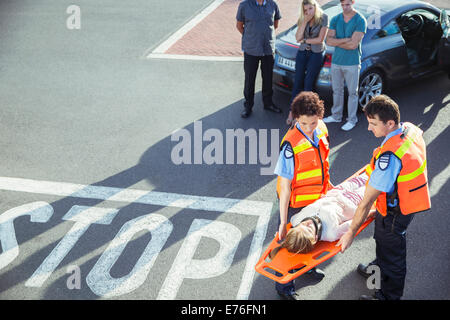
column 290, row 286
column 307, row 68
column 251, row 64
column 390, row 239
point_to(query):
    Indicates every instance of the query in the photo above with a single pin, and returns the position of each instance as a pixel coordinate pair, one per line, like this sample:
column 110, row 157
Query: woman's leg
column 313, row 67
column 300, row 66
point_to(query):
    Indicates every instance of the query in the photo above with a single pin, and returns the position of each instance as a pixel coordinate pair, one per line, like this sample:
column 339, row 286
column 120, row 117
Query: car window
column 388, row 30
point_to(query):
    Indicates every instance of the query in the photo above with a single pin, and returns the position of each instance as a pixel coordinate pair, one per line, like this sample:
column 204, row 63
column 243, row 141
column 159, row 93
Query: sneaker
column 330, row 119
column 348, row 126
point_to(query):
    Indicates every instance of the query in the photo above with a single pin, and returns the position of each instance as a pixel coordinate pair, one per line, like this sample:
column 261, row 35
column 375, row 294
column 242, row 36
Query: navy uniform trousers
column 390, row 239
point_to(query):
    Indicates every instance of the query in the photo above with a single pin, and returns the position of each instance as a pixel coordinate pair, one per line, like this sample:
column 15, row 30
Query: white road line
column 193, row 57
column 163, row 47
column 260, row 209
column 133, row 195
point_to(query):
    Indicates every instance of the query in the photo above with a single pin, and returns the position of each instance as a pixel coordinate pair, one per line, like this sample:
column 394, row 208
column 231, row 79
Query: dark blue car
column 405, row 40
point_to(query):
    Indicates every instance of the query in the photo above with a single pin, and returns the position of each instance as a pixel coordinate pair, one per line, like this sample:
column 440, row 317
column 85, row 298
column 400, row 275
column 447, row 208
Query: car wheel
column 371, row 85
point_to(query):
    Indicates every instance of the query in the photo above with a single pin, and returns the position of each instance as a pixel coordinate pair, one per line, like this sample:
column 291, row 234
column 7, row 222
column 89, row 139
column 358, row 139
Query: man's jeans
column 351, row 76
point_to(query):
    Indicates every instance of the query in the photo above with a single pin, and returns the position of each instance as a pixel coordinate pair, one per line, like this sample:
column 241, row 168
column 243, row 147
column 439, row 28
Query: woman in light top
column 326, row 219
column 312, row 28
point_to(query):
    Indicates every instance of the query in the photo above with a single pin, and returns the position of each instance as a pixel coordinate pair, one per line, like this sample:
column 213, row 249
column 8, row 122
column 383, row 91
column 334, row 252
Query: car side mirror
column 382, row 33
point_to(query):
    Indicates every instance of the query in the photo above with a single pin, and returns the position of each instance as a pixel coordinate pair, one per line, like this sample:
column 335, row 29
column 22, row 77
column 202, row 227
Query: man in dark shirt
column 257, row 21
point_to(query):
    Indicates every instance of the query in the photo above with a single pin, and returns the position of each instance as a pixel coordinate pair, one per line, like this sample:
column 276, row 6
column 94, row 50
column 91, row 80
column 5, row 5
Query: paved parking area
column 212, row 32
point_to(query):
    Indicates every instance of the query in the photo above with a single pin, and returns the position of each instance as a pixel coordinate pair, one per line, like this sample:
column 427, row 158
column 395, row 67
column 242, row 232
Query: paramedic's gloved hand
column 346, row 240
column 282, row 231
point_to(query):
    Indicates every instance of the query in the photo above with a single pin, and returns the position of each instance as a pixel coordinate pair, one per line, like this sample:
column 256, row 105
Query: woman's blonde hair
column 296, row 241
column 317, row 13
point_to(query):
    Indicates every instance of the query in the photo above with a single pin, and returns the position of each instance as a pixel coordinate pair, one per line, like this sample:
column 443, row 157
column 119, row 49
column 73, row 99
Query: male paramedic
column 399, row 185
column 302, row 166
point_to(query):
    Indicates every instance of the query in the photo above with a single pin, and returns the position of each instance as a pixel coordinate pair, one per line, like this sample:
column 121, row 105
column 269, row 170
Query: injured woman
column 326, row 219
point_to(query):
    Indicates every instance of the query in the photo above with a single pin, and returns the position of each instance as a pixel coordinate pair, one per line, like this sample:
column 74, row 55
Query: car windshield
column 331, row 9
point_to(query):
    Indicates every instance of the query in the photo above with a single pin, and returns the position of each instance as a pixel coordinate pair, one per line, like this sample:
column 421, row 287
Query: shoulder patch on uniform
column 383, row 161
column 288, row 153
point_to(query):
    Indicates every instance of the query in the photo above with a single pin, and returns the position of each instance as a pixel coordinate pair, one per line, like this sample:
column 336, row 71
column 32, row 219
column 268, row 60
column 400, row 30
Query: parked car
column 413, row 41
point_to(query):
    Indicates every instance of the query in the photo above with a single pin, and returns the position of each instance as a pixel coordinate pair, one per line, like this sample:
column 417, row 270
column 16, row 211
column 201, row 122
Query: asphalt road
column 84, row 109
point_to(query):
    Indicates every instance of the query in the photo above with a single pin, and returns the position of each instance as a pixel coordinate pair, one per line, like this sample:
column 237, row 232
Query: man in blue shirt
column 383, row 116
column 345, row 34
column 257, row 21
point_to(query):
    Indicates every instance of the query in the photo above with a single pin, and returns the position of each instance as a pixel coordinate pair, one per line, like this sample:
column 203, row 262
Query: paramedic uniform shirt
column 285, row 165
column 387, row 168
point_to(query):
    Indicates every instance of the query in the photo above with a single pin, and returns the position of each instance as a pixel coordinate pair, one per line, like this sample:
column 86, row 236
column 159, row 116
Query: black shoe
column 289, row 296
column 378, row 295
column 367, row 297
column 273, row 108
column 246, row 113
column 362, row 269
column 316, row 273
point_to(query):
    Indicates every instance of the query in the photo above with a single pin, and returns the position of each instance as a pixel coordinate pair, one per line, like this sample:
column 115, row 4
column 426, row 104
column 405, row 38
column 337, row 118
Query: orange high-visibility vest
column 311, row 176
column 412, row 183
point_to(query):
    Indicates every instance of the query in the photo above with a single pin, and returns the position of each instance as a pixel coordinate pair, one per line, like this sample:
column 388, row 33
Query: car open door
column 444, row 44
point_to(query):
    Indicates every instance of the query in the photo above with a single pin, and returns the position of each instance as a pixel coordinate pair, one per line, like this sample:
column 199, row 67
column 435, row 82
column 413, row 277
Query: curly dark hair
column 307, row 103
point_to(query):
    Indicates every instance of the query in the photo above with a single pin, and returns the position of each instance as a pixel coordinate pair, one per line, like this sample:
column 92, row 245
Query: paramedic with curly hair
column 302, row 166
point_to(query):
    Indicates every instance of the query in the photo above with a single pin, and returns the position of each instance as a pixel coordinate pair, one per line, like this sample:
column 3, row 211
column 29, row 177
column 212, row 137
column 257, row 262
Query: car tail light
column 327, row 63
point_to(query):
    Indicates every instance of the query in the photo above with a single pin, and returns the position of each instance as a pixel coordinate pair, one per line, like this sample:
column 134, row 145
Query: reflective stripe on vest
column 407, row 144
column 307, row 197
column 412, row 175
column 302, row 147
column 309, row 174
column 369, row 170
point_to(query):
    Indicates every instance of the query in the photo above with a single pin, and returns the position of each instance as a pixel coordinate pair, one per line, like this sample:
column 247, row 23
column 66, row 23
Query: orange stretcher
column 291, row 265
